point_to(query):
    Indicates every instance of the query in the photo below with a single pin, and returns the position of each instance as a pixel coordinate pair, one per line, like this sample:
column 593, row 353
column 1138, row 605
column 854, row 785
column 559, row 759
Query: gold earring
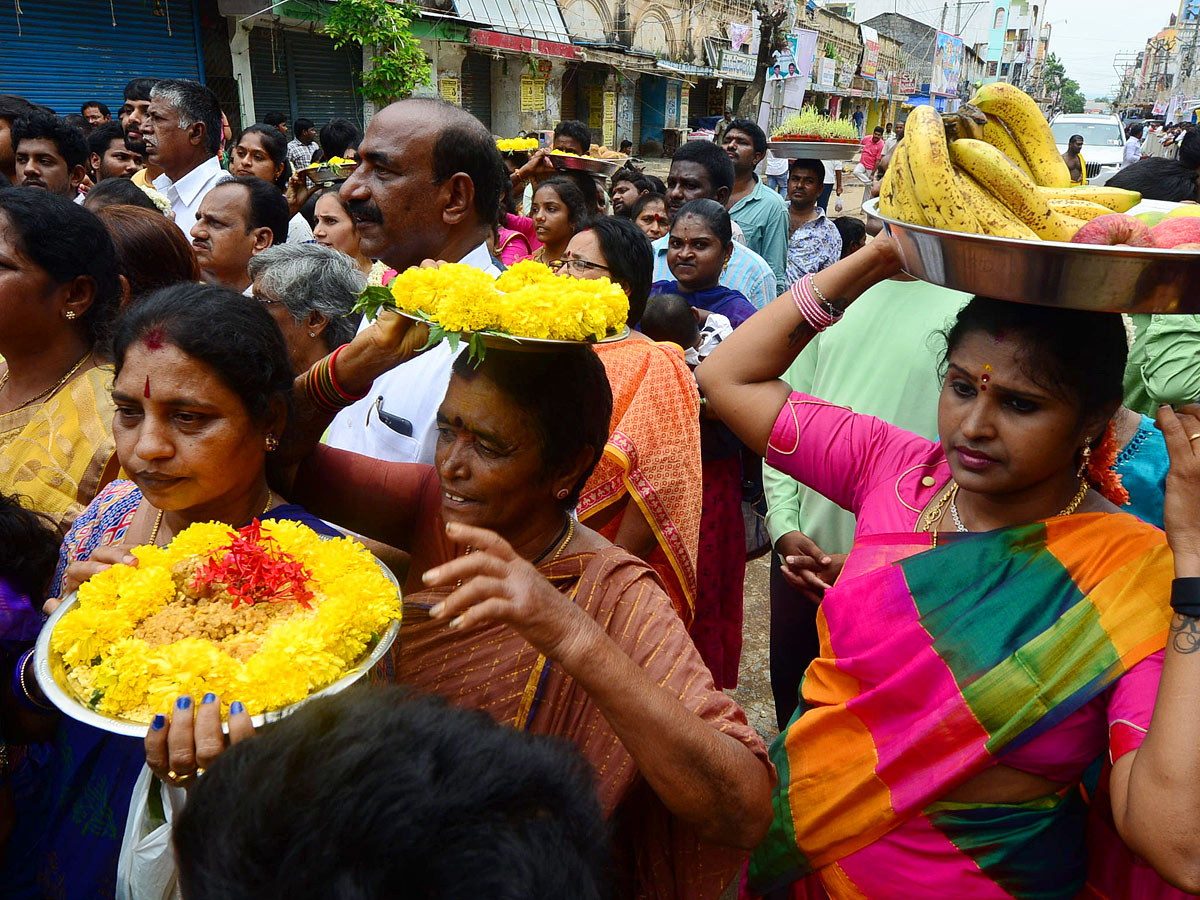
column 1087, row 458
column 71, row 315
column 272, row 443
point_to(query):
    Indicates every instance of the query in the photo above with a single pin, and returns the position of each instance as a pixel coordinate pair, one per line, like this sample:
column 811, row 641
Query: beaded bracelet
column 21, row 690
column 816, row 312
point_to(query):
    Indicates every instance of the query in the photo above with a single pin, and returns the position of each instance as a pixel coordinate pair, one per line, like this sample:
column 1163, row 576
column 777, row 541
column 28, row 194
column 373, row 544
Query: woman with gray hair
column 310, row 291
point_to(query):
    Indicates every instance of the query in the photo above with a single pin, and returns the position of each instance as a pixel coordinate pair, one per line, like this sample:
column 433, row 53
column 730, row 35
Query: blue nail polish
column 184, row 702
column 209, row 698
column 236, row 707
column 159, row 723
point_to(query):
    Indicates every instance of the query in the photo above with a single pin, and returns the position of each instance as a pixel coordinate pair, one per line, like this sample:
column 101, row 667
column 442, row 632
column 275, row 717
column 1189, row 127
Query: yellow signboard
column 449, row 90
column 533, row 93
column 610, row 119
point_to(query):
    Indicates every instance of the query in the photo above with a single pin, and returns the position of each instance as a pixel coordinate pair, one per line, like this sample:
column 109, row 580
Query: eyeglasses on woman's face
column 575, row 266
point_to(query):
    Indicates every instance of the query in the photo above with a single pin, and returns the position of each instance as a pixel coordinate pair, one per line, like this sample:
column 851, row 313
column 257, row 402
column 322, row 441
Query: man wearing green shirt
column 759, row 211
column 881, row 359
column 1164, row 362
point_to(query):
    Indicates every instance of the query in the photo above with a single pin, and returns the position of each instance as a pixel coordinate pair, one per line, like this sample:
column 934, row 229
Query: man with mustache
column 182, row 134
column 427, row 187
column 133, row 112
column 110, row 155
column 237, row 220
column 49, row 154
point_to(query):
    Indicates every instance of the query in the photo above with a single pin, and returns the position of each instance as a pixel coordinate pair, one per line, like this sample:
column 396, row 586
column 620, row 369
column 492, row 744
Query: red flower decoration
column 1100, row 472
column 255, row 569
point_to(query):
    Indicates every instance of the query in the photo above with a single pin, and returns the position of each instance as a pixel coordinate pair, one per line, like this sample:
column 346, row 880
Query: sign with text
column 448, row 88
column 533, row 93
column 870, row 58
column 610, row 119
column 737, row 65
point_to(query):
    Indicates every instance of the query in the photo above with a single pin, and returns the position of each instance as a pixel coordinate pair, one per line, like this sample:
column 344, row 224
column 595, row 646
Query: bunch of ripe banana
column 997, row 173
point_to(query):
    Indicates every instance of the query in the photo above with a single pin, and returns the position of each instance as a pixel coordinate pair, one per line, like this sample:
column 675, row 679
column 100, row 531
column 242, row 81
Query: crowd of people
column 983, row 642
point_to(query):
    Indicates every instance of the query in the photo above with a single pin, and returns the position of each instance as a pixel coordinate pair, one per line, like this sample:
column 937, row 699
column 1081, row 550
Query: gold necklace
column 50, row 390
column 566, row 540
column 158, row 519
column 934, row 515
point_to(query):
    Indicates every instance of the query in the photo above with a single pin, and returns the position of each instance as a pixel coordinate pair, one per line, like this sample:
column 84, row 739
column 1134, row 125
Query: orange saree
column 652, row 459
column 494, row 669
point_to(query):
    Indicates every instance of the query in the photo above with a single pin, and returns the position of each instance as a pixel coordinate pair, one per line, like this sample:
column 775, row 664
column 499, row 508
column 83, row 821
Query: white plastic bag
column 146, row 867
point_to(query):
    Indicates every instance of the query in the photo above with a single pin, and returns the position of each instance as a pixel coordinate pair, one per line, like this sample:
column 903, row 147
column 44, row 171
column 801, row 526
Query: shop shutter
column 301, row 74
column 269, row 73
column 477, row 87
column 570, row 90
column 69, row 51
column 325, row 79
column 637, row 116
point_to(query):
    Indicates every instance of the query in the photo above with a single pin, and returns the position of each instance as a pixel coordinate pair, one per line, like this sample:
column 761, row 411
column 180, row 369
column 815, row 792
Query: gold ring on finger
column 175, row 778
column 1192, row 437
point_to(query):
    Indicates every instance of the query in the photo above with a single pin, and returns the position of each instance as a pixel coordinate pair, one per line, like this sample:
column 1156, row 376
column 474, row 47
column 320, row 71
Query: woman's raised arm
column 1156, row 788
column 741, row 379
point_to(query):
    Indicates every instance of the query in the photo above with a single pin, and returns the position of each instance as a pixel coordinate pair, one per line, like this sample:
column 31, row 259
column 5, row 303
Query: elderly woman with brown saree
column 58, row 291
column 514, row 608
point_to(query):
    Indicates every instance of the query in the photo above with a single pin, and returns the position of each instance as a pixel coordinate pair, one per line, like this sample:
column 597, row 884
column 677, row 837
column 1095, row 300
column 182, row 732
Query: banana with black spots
column 1115, row 198
column 996, row 133
column 928, row 153
column 1029, row 129
column 1012, row 187
column 993, row 216
column 897, row 197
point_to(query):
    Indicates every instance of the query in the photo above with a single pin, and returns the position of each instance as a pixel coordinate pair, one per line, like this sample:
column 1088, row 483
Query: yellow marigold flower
column 122, row 675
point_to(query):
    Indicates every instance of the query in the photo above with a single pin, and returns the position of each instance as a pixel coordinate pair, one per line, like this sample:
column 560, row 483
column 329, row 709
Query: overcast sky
column 1096, row 31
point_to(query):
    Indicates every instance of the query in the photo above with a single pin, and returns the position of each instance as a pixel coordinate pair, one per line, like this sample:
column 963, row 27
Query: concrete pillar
column 239, row 53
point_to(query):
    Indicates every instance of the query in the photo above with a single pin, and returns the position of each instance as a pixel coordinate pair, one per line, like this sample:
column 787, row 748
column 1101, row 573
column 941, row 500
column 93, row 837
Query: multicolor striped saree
column 933, row 663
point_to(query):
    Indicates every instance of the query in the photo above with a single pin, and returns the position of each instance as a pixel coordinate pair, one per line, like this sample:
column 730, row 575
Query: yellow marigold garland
column 124, row 676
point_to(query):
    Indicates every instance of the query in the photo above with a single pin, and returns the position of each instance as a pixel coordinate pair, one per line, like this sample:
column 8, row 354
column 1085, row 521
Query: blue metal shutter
column 68, row 51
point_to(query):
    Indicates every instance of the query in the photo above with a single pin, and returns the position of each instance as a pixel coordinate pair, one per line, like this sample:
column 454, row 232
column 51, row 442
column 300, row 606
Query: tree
column 771, row 38
column 1062, row 90
column 398, row 65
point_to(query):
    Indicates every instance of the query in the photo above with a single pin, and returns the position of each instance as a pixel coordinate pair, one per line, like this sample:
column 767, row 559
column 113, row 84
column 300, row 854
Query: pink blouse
column 886, row 476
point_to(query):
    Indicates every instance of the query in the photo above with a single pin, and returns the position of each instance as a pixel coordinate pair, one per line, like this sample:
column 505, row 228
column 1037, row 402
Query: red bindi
column 153, row 340
column 147, row 387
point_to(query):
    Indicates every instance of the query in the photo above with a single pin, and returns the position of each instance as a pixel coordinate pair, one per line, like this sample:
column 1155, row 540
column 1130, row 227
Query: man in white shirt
column 1133, row 145
column 427, row 187
column 182, row 133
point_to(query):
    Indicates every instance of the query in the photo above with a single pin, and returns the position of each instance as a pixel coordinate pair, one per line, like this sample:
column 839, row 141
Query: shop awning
column 518, row 44
column 537, row 19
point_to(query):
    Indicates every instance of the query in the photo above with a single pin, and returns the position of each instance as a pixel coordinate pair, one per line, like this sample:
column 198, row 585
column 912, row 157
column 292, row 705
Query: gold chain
column 50, row 390
column 158, row 519
column 566, row 540
column 934, row 516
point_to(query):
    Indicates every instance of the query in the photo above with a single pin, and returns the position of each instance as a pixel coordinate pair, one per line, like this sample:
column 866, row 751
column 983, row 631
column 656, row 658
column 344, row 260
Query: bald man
column 427, row 187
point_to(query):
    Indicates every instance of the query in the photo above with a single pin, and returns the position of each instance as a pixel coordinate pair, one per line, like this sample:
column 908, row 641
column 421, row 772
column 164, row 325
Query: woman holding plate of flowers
column 198, row 413
column 514, row 608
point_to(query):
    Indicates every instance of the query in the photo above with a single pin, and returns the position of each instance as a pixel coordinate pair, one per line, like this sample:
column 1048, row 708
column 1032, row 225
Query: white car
column 1103, row 142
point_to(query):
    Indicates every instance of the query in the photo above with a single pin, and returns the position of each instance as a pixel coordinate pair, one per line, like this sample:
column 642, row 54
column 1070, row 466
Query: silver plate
column 330, row 174
column 51, row 676
column 1050, row 273
column 585, row 163
column 812, row 149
